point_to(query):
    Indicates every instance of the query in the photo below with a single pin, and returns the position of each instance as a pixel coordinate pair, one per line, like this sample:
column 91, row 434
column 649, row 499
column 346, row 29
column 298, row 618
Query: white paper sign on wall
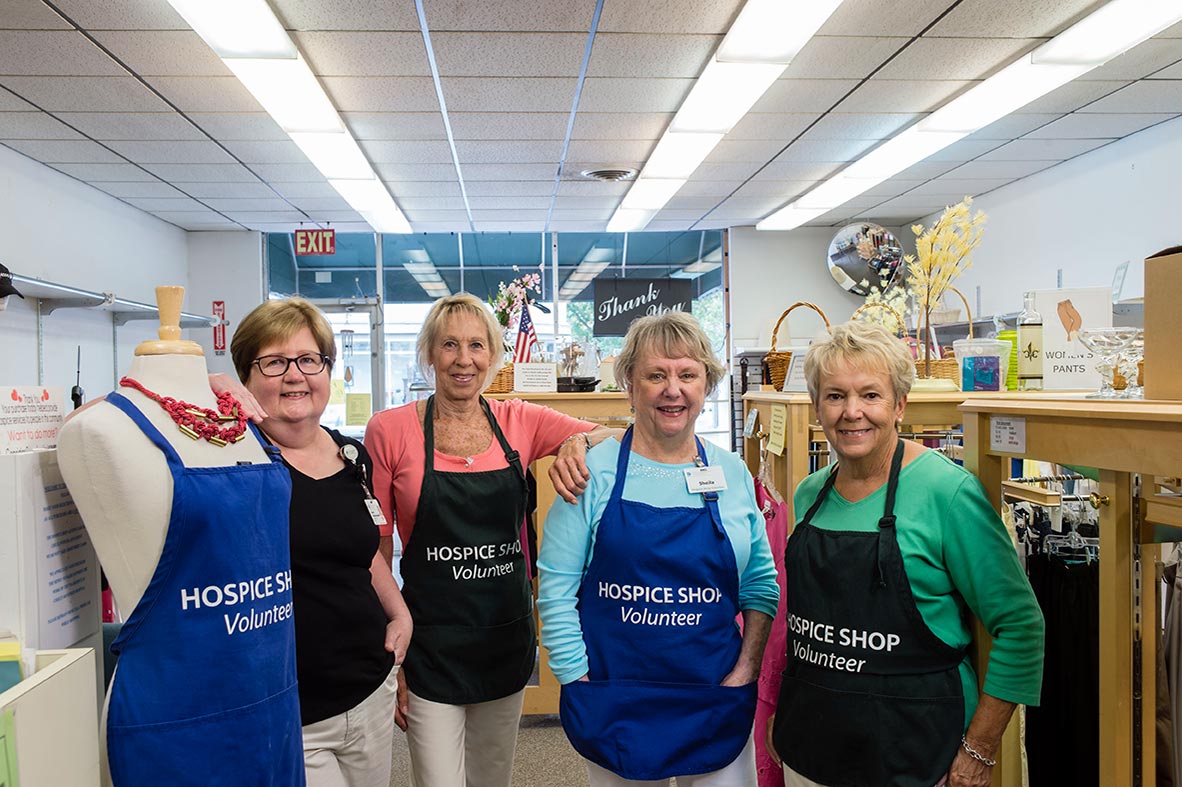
column 30, row 417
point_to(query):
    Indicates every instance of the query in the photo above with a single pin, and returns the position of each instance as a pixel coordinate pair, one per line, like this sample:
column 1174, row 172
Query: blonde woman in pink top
column 451, row 471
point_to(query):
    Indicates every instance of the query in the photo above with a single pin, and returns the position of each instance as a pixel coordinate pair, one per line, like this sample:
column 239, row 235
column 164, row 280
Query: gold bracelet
column 976, row 755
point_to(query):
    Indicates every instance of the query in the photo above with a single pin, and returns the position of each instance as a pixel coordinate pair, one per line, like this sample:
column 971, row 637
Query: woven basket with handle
column 775, row 363
column 502, row 382
column 884, row 307
column 946, row 368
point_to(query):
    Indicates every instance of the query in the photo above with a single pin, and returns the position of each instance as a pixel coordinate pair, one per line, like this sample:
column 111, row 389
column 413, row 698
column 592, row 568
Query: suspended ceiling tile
column 312, row 205
column 85, row 94
column 428, row 188
column 951, row 184
column 206, row 94
column 431, row 203
column 620, row 125
column 508, row 188
column 249, row 217
column 509, row 152
column 726, row 170
column 669, row 16
column 592, row 188
column 1155, row 95
column 55, row 151
column 292, row 191
column 826, row 150
column 131, row 125
column 894, row 95
column 1173, row 31
column 396, row 125
column 842, row 57
column 842, row 125
column 11, row 103
column 1013, row 126
column 172, row 152
column 202, row 173
column 365, row 54
column 779, row 126
column 700, row 204
column 167, row 204
column 754, row 206
column 30, row 15
column 52, row 52
column 209, row 226
column 709, row 188
column 757, row 150
column 584, row 214
column 1085, row 126
column 163, row 52
column 1173, row 72
column 183, row 216
column 504, row 94
column 458, row 217
column 34, row 125
column 473, row 172
column 992, row 170
column 509, row 15
column 508, row 125
column 203, row 191
column 407, row 151
column 121, row 173
column 1142, row 60
column 382, row 94
column 234, row 126
column 1043, row 149
column 892, row 188
column 153, row 189
column 1013, row 18
column 966, row 150
column 635, row 54
column 632, row 95
column 493, row 225
column 442, row 226
column 925, row 170
column 901, row 18
column 688, row 216
column 445, row 172
column 278, row 173
column 345, row 15
column 492, row 54
column 1073, row 96
column 231, row 205
column 609, row 150
column 955, row 58
column 122, row 15
column 805, row 95
column 339, row 219
column 784, row 190
column 586, row 203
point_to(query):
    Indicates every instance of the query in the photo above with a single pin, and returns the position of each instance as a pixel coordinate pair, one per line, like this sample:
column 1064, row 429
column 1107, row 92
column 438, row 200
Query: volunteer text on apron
column 205, row 688
column 657, row 608
column 466, row 587
column 871, row 697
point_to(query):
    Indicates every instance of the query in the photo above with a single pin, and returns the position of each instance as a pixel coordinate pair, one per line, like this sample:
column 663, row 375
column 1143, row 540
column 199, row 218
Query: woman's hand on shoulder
column 569, row 472
column 224, row 383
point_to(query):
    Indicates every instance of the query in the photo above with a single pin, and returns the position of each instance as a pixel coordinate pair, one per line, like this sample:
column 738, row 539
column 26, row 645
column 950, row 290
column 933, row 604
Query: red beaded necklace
column 199, row 422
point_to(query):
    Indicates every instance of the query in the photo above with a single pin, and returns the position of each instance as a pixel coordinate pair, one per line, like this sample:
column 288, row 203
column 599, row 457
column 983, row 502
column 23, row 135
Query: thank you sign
column 620, row 301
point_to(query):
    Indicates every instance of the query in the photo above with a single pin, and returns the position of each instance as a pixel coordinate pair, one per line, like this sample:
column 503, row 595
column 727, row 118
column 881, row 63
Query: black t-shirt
column 340, row 625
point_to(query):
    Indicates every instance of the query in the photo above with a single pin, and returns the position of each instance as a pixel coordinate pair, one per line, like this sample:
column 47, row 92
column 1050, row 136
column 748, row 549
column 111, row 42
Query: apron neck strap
column 511, row 456
column 886, row 525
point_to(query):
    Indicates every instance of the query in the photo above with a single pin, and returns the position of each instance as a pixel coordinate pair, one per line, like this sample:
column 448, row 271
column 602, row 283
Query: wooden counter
column 608, row 409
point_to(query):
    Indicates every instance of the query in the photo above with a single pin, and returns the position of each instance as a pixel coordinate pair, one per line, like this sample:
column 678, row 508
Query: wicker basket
column 775, row 363
column 943, row 368
column 502, row 381
column 886, row 308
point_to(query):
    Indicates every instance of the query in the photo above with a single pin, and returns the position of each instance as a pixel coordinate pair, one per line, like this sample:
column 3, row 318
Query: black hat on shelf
column 6, row 286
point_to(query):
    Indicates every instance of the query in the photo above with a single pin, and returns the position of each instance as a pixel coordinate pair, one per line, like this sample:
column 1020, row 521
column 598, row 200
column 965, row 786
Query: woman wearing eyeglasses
column 352, row 626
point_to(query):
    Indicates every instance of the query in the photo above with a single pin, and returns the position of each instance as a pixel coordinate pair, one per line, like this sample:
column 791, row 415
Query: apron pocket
column 255, row 746
column 462, row 665
column 644, row 730
column 856, row 739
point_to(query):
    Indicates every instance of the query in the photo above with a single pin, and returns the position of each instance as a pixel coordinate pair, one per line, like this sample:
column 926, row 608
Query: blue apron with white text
column 205, row 688
column 657, row 608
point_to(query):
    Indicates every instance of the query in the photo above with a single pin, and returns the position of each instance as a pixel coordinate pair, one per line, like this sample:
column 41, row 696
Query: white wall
column 224, row 266
column 1086, row 216
column 58, row 229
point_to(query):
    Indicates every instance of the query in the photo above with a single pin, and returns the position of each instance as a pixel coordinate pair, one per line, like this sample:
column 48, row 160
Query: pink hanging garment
column 775, row 657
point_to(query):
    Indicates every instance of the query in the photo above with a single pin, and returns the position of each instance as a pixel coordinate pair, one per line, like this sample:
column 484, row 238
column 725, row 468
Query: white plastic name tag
column 375, row 512
column 705, row 479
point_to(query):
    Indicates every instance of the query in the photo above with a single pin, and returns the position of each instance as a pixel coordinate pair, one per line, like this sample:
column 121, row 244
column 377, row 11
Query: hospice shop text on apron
column 870, row 697
column 657, row 608
column 465, row 581
column 205, row 687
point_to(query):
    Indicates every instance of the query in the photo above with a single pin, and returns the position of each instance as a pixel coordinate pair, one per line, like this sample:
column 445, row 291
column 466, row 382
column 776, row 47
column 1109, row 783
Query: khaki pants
column 354, row 748
column 740, row 773
column 463, row 745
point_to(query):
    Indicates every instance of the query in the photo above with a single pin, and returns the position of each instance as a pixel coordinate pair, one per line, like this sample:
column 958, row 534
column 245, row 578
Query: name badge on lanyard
column 349, row 454
column 700, row 480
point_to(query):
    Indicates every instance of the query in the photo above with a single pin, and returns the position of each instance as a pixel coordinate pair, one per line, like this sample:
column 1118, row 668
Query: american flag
column 526, row 337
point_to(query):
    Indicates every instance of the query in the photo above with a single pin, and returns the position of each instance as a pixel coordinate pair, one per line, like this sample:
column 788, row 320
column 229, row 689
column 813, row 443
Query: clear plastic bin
column 984, row 363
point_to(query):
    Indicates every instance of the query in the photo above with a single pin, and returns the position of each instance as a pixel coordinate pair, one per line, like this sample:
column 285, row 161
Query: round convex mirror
column 862, row 256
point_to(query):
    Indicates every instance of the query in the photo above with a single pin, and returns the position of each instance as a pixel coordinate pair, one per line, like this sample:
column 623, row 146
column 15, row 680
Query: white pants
column 794, row 779
column 354, row 748
column 462, row 745
column 740, row 773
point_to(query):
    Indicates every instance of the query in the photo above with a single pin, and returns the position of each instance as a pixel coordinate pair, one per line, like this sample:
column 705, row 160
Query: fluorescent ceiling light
column 651, row 193
column 696, row 269
column 626, row 220
column 678, row 154
column 361, row 195
column 387, row 219
column 335, row 154
column 417, row 255
column 774, row 31
column 289, row 91
column 599, row 254
column 1109, row 31
column 723, row 94
column 1106, row 33
column 237, row 28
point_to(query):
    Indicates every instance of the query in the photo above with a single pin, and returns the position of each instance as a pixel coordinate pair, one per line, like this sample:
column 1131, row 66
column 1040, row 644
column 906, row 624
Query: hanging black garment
column 870, row 697
column 465, row 581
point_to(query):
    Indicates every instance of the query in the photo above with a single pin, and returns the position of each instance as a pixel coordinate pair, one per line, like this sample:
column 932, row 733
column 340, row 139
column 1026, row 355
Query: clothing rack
column 1038, row 479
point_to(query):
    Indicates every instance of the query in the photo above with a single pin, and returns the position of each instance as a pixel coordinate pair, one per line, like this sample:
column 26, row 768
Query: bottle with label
column 1029, row 346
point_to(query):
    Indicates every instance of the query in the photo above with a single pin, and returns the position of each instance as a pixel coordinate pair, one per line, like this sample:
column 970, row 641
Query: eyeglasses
column 277, row 365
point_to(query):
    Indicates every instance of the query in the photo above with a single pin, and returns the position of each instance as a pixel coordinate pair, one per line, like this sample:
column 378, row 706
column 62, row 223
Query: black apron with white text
column 870, row 697
column 465, row 581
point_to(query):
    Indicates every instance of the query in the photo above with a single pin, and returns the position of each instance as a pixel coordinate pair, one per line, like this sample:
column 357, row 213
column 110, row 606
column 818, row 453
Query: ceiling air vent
column 611, row 175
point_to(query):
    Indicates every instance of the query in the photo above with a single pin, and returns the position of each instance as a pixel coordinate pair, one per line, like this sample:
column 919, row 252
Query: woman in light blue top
column 643, row 577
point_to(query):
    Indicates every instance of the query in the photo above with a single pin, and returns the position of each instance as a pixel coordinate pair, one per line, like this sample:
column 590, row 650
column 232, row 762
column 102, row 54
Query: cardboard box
column 1163, row 324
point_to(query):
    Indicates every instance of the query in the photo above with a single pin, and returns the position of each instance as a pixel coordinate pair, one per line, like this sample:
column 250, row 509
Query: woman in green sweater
column 897, row 550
